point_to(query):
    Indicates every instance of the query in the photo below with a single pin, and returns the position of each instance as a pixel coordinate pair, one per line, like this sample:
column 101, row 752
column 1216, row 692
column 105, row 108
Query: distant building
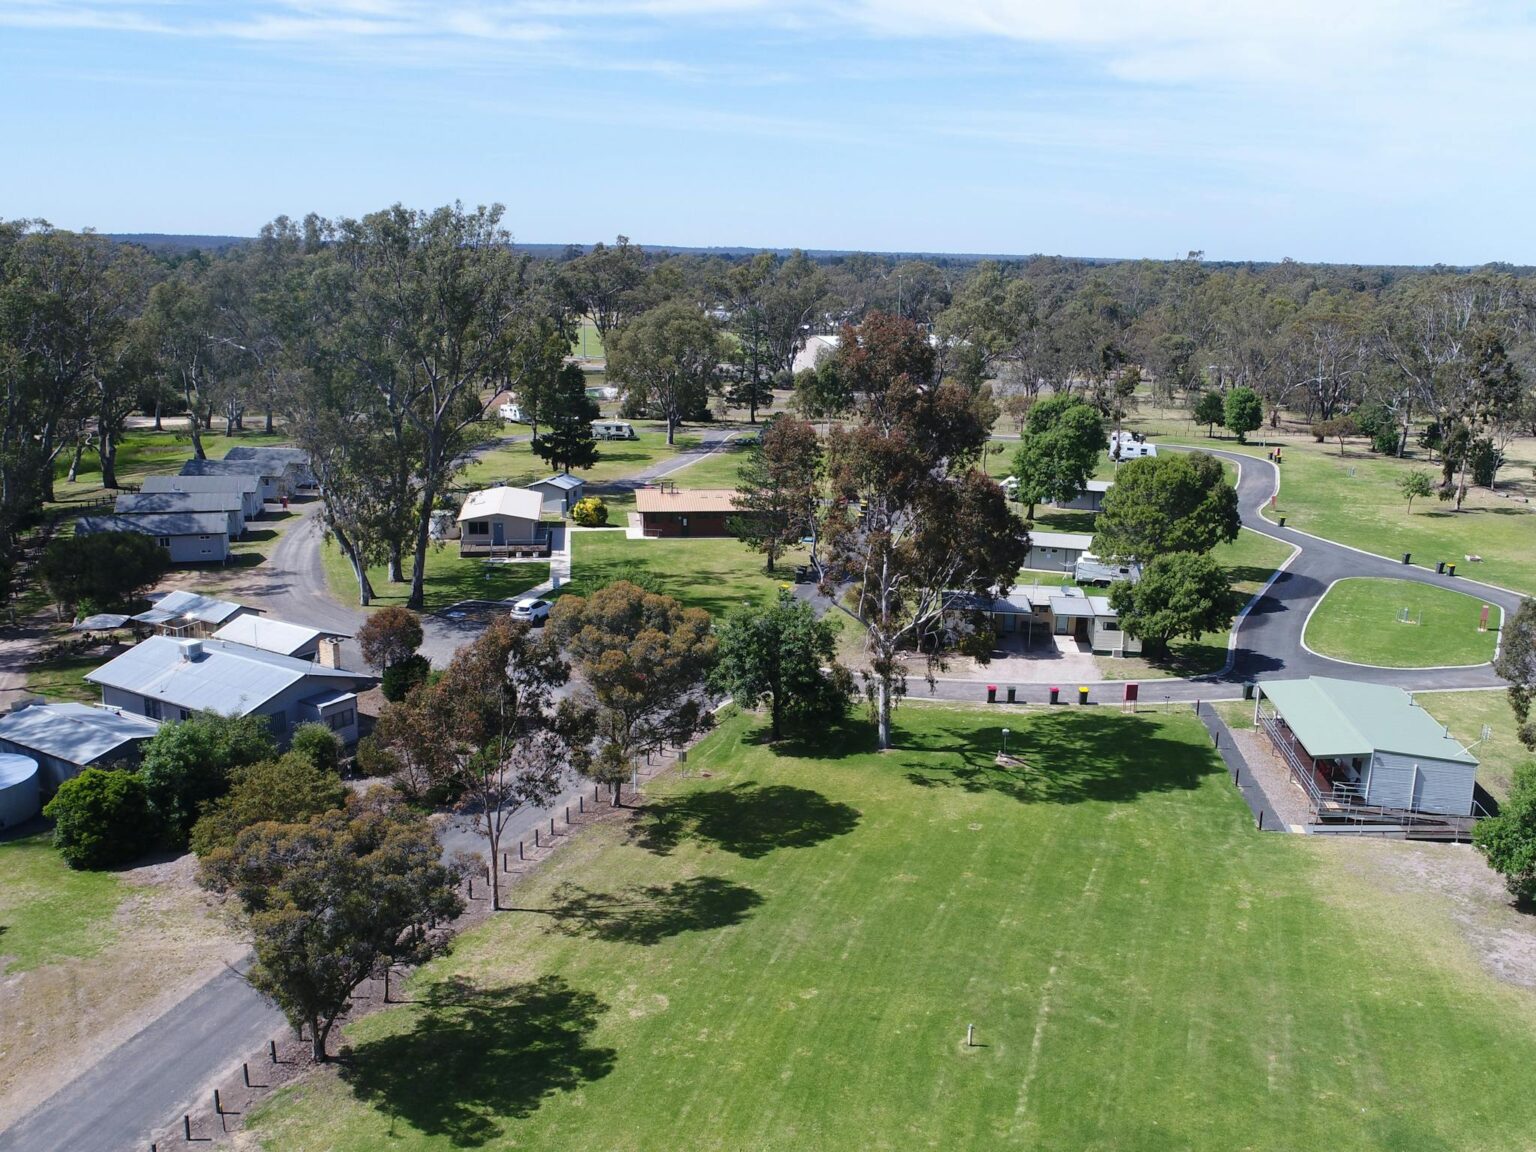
column 502, row 520
column 669, row 512
column 277, row 482
column 231, row 504
column 166, row 679
column 247, row 486
column 560, row 491
column 187, row 537
column 292, row 463
column 65, row 738
column 1056, row 551
column 815, row 350
column 1090, row 499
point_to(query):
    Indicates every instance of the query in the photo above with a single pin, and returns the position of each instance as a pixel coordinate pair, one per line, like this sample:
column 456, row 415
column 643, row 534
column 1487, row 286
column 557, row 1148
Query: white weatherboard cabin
column 231, row 504
column 1358, row 748
column 1056, row 551
column 502, row 520
column 187, row 537
column 248, row 488
column 293, row 462
column 167, row 679
column 1090, row 499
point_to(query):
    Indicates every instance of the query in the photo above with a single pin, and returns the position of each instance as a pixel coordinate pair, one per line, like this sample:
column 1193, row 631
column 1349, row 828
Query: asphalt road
column 149, row 1080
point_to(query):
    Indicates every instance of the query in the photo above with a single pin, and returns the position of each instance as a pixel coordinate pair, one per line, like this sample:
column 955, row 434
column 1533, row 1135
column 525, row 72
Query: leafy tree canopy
column 1179, row 502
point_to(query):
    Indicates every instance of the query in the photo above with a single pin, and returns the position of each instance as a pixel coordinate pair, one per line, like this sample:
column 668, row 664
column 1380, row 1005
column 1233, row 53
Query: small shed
column 182, row 613
column 561, row 492
column 1056, row 551
column 502, row 520
column 670, row 512
column 19, row 795
column 187, row 537
column 1090, row 499
column 65, row 738
column 1353, row 745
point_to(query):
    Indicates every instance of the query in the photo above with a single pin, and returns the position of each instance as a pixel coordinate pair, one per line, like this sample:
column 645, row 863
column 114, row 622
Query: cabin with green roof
column 1358, row 748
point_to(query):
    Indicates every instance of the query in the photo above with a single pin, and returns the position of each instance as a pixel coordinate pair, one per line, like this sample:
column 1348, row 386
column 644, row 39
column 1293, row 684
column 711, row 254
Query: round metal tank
column 18, row 789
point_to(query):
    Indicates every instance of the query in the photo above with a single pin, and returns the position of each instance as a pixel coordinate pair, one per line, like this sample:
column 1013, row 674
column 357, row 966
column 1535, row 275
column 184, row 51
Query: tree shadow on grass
column 832, row 742
column 750, row 820
column 648, row 914
column 1066, row 757
column 477, row 1058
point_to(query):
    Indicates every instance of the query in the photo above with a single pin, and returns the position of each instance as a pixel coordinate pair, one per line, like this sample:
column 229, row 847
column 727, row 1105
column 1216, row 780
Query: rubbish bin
column 991, row 693
column 1082, row 695
column 1013, row 694
column 1450, row 569
column 1248, row 690
column 1282, row 521
column 1055, row 694
column 1407, row 557
column 1440, row 568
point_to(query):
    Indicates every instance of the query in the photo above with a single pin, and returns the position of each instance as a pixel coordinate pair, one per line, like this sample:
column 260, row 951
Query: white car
column 533, row 611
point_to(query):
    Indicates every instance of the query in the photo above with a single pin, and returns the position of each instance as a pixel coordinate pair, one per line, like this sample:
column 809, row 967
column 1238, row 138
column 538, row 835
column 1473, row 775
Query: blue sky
column 1348, row 130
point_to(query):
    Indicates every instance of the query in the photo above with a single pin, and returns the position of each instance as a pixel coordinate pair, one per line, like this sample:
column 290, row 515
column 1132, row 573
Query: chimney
column 191, row 651
column 328, row 655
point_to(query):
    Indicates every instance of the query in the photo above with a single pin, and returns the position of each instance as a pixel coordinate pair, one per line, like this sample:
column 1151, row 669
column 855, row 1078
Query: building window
column 151, row 708
column 479, row 528
column 183, row 714
column 163, row 541
column 343, row 719
column 1109, row 625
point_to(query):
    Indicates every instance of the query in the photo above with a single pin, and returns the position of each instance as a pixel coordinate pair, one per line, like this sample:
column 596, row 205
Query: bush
column 189, row 764
column 390, row 635
column 373, row 761
column 317, row 744
column 288, row 790
column 590, row 512
column 105, row 569
column 1486, row 462
column 102, row 818
column 399, row 679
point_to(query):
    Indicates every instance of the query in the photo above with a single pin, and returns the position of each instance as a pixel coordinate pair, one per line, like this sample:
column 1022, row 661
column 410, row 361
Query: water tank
column 18, row 789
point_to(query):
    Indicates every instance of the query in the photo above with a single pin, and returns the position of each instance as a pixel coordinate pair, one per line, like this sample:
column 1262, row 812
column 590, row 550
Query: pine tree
column 569, row 443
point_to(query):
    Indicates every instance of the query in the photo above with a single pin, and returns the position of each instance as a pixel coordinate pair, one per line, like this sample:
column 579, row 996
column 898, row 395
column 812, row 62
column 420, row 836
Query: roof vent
column 191, row 650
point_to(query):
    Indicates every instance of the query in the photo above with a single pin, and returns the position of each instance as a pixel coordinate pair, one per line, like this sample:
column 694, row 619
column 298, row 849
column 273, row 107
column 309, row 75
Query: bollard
column 596, row 795
column 471, row 880
column 581, row 804
column 1407, row 557
column 1013, row 694
column 535, row 837
column 1282, row 521
column 1237, row 775
column 1055, row 694
column 1261, row 819
column 218, row 1104
column 186, row 1127
column 272, row 1047
column 245, row 1073
column 991, row 693
column 519, row 849
column 1082, row 695
column 551, row 827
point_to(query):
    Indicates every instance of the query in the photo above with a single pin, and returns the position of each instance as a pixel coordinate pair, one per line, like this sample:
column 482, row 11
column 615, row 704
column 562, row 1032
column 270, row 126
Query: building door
column 498, row 532
column 683, row 529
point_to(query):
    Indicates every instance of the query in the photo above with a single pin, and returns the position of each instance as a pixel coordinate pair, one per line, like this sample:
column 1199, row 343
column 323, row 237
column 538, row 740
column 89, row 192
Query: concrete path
column 149, row 1080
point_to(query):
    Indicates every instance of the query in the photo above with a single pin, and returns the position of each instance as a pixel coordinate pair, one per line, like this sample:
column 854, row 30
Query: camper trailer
column 512, row 413
column 613, row 430
column 1089, row 569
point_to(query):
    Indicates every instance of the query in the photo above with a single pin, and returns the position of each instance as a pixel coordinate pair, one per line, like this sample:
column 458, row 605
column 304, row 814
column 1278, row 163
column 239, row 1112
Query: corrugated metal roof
column 224, row 677
column 143, row 503
column 76, row 733
column 277, row 456
column 157, row 524
column 523, row 503
column 269, row 635
column 1081, row 541
column 685, row 500
column 240, row 482
column 1335, row 718
column 564, row 481
column 192, row 606
column 272, row 469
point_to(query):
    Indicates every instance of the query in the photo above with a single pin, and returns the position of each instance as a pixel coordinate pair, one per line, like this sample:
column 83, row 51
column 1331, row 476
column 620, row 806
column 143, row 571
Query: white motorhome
column 1089, row 569
column 512, row 413
column 613, row 430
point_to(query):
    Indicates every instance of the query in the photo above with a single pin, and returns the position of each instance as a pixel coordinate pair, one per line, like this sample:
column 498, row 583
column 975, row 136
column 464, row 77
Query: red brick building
column 669, row 511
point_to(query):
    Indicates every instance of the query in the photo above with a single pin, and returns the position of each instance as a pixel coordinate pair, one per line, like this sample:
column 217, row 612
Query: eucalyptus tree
column 669, row 357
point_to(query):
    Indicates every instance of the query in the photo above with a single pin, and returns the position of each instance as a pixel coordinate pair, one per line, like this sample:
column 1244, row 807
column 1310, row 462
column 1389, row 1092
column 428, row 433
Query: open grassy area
column 588, row 344
column 516, row 464
column 786, row 955
column 1249, row 562
column 144, row 453
column 63, row 678
column 48, row 911
column 450, row 578
column 717, row 470
column 1357, row 620
column 1466, row 713
column 714, row 574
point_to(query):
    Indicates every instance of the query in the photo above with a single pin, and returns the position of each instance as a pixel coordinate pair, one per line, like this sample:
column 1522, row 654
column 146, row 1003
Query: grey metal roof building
column 189, row 537
column 191, row 608
column 230, row 504
column 64, row 738
column 295, row 459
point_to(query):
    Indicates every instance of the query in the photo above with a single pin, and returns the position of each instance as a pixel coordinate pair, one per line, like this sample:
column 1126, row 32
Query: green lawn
column 714, row 574
column 1357, row 620
column 717, row 470
column 145, row 453
column 588, row 344
column 1249, row 561
column 64, row 678
column 48, row 911
column 450, row 578
column 786, row 955
column 1466, row 713
column 516, row 464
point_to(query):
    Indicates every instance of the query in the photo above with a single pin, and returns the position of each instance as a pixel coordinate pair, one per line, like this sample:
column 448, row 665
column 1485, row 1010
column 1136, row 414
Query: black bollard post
column 581, row 803
column 567, row 813
column 272, row 1048
column 471, row 880
column 551, row 827
column 535, row 837
column 1261, row 819
column 186, row 1127
column 218, row 1104
column 519, row 849
column 245, row 1073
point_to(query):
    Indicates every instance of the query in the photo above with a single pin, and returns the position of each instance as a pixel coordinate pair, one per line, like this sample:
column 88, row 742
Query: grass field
column 1356, row 620
column 588, row 344
column 1466, row 713
column 450, row 578
column 714, row 574
column 515, row 464
column 717, row 470
column 786, row 955
column 145, row 453
column 64, row 678
column 48, row 911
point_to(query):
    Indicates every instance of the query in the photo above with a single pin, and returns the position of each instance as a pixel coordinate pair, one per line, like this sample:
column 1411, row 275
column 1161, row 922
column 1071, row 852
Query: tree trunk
column 159, row 427
column 617, row 796
column 493, row 836
column 74, row 463
column 269, row 418
column 883, row 712
column 671, row 430
column 192, row 423
column 396, row 568
column 776, row 718
column 317, row 1038
column 106, row 452
column 418, row 596
column 364, row 585
column 229, row 426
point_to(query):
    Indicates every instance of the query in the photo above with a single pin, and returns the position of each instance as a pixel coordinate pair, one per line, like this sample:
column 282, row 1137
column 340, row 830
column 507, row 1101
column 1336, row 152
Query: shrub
column 1486, row 462
column 590, row 512
column 317, row 744
column 390, row 635
column 373, row 761
column 288, row 790
column 104, row 569
column 102, row 818
column 400, row 678
column 188, row 764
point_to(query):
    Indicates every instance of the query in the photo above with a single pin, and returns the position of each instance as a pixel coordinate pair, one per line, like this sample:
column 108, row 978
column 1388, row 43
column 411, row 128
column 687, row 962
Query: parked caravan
column 613, row 430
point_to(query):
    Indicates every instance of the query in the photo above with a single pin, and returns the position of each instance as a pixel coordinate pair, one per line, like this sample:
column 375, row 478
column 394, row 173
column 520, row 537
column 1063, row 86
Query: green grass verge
column 1466, row 713
column 64, row 678
column 588, row 343
column 450, row 578
column 151, row 453
column 786, row 956
column 714, row 574
column 48, row 911
column 1356, row 620
column 717, row 470
column 515, row 464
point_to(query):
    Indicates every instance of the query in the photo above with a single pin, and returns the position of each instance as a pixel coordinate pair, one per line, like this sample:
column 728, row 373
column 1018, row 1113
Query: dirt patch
column 169, row 937
column 1273, row 777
